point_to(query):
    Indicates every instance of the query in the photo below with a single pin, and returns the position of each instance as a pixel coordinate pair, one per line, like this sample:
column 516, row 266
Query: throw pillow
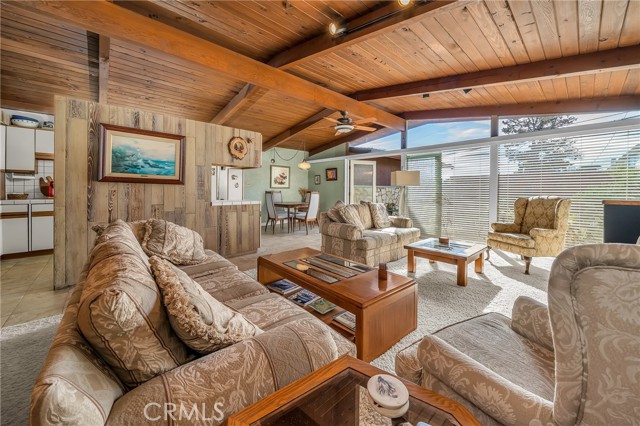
column 379, row 215
column 172, row 242
column 333, row 212
column 120, row 312
column 200, row 321
column 351, row 215
column 365, row 214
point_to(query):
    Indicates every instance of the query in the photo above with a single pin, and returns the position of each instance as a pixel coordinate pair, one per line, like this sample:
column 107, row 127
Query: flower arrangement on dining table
column 303, row 193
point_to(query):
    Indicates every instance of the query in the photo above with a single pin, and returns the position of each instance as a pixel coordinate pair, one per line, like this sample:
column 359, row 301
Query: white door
column 14, row 228
column 362, row 179
column 41, row 227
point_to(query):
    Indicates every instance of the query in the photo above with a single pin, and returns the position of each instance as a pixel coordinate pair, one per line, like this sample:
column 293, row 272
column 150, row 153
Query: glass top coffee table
column 455, row 253
column 337, row 395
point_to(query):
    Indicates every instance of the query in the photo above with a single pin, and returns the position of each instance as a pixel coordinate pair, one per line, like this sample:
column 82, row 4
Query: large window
column 453, row 198
column 587, row 169
column 431, row 133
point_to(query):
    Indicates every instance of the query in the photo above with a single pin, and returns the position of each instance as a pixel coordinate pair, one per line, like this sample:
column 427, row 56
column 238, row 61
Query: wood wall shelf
column 44, row 156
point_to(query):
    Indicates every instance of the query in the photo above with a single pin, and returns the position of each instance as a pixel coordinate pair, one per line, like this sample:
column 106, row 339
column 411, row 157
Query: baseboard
column 26, row 254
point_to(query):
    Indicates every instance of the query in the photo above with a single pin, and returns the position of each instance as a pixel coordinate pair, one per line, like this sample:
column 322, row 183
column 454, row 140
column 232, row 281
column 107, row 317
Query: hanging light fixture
column 304, row 165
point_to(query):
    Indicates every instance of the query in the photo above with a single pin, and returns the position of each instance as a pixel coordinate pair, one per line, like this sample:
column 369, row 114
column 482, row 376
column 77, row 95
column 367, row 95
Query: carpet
column 23, row 348
column 441, row 302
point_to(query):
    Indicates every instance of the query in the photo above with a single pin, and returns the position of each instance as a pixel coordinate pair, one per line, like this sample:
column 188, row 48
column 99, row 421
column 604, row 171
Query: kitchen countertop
column 233, row 202
column 27, row 201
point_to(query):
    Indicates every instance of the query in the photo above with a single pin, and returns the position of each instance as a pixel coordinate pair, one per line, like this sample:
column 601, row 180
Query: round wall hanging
column 237, row 147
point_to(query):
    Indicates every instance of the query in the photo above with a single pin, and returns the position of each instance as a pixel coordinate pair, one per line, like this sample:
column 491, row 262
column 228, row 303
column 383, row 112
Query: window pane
column 430, row 133
column 376, row 143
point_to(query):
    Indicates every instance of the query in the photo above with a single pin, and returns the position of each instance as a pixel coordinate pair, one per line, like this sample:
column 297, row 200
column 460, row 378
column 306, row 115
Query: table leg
column 411, row 261
column 462, row 273
column 480, row 264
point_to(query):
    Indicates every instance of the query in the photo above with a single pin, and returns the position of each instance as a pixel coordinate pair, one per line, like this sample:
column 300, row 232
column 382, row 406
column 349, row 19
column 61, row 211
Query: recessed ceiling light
column 425, row 95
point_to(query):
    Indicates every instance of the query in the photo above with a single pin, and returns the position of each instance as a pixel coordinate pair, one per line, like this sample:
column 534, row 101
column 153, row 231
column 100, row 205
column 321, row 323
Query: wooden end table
column 454, row 253
column 385, row 311
column 336, row 394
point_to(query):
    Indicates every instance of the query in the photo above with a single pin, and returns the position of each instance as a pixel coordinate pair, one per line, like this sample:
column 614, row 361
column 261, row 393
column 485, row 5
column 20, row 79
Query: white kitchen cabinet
column 20, row 150
column 3, row 146
column 41, row 227
column 14, row 228
column 44, row 141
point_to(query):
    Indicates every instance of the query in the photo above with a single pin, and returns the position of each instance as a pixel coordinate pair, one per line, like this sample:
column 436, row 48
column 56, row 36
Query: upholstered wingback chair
column 539, row 228
column 572, row 363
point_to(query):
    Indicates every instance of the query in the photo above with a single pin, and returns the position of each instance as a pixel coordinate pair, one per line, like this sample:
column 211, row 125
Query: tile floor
column 26, row 284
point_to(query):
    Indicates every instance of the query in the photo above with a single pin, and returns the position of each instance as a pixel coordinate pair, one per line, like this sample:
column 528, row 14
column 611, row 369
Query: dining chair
column 311, row 215
column 274, row 215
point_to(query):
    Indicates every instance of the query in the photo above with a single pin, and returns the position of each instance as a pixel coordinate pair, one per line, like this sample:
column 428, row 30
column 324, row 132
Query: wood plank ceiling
column 41, row 57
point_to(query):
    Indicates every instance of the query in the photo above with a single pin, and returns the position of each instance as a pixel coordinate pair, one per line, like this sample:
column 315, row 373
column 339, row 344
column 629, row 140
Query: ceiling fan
column 345, row 124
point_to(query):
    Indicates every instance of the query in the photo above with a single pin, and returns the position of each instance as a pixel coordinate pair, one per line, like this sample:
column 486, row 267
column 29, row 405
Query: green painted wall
column 330, row 192
column 257, row 181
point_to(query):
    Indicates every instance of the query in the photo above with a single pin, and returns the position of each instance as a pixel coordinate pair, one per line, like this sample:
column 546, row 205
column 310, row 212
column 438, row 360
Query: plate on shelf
column 19, row 120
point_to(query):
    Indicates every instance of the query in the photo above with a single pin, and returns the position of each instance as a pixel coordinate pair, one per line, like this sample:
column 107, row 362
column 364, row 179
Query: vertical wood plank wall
column 81, row 201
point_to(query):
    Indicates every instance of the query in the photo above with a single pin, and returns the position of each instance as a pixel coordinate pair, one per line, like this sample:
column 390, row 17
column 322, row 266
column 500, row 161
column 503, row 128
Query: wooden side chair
column 273, row 214
column 310, row 216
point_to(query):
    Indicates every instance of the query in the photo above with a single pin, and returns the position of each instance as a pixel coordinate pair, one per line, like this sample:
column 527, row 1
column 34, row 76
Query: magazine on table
column 303, row 298
column 284, row 287
column 322, row 306
column 346, row 319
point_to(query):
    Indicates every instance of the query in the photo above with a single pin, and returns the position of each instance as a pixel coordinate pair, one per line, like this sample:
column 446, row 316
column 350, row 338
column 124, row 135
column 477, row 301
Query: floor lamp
column 405, row 178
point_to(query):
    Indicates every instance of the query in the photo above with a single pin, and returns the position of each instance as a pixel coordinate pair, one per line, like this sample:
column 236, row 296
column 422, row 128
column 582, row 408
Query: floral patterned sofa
column 77, row 386
column 363, row 242
column 573, row 363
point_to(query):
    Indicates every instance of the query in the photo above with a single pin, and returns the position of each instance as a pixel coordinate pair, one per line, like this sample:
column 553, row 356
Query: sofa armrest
column 407, row 364
column 226, row 381
column 344, row 231
column 530, row 319
column 401, row 222
column 505, row 227
column 503, row 400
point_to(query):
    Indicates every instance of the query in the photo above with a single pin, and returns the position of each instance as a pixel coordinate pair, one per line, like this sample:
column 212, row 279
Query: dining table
column 295, row 205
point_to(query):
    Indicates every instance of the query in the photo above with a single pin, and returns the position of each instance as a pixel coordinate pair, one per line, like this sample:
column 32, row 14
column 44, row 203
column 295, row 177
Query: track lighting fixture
column 336, row 29
column 466, row 91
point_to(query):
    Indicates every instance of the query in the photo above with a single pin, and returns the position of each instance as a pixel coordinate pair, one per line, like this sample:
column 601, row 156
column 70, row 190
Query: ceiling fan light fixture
column 344, row 128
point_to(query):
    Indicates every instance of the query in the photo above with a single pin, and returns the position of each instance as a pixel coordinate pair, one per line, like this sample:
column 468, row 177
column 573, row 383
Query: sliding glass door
column 362, row 178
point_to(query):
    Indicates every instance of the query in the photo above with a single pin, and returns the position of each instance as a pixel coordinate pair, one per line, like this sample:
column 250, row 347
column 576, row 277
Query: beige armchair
column 539, row 228
column 573, row 363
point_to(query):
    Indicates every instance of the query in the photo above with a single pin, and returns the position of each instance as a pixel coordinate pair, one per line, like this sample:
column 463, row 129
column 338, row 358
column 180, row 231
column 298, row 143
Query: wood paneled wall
column 81, row 201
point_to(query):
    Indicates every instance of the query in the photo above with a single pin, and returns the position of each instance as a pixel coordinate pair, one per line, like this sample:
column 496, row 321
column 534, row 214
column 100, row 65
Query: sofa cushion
column 372, row 239
column 405, row 235
column 351, row 214
column 172, row 242
column 199, row 320
column 269, row 310
column 227, row 284
column 379, row 215
column 213, row 261
column 365, row 214
column 138, row 227
column 520, row 240
column 121, row 312
column 334, row 213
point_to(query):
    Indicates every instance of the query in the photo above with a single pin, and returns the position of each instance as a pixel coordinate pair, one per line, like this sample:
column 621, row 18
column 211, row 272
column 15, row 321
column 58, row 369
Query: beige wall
column 81, row 201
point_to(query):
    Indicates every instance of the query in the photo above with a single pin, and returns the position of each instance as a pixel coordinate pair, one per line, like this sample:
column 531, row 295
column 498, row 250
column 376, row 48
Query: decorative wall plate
column 237, row 147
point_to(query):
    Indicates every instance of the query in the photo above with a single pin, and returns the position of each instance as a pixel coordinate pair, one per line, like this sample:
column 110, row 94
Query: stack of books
column 303, row 298
column 347, row 320
column 284, row 287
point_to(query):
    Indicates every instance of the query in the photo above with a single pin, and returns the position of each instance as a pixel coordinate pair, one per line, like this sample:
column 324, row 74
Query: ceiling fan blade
column 364, row 120
column 368, row 129
column 333, row 120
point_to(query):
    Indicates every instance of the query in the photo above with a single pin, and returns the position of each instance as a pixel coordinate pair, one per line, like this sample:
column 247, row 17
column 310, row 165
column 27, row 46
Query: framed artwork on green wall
column 331, row 174
column 280, row 177
column 316, row 179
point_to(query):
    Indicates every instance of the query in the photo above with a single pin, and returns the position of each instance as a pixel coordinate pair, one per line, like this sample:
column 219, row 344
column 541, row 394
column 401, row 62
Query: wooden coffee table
column 336, row 395
column 385, row 311
column 455, row 253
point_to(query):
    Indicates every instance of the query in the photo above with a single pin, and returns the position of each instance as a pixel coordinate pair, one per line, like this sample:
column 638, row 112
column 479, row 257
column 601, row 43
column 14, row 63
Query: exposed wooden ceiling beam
column 326, row 43
column 603, row 61
column 571, row 106
column 104, row 51
column 116, row 22
column 297, row 129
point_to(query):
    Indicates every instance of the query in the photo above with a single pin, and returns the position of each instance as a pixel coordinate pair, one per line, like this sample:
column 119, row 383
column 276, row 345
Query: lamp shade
column 405, row 178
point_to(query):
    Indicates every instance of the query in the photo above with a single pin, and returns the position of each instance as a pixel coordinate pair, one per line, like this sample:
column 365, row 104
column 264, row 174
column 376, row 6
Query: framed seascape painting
column 280, row 177
column 331, row 174
column 134, row 155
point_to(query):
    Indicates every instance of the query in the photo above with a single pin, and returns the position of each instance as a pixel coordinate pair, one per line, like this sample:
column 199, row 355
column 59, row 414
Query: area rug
column 23, row 348
column 441, row 302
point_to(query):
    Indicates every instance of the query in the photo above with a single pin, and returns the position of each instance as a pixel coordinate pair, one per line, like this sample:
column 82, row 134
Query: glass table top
column 432, row 244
